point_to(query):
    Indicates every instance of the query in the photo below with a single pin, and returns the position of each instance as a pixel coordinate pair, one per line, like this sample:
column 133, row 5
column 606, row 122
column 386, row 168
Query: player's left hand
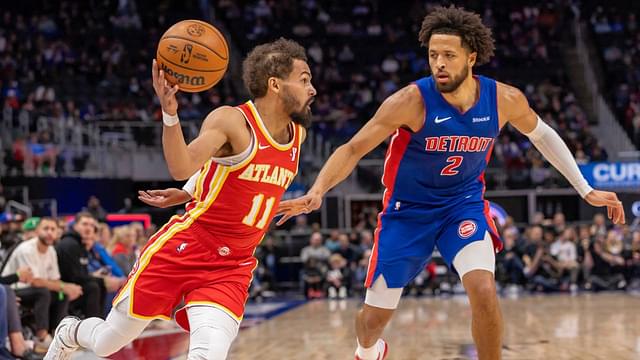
column 615, row 211
column 164, row 198
column 165, row 92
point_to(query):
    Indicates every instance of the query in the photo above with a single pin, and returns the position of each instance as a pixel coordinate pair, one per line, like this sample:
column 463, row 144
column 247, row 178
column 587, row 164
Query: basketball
column 193, row 54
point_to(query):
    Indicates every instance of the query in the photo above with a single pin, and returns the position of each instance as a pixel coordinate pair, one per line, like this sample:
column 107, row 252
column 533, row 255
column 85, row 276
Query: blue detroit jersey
column 448, row 155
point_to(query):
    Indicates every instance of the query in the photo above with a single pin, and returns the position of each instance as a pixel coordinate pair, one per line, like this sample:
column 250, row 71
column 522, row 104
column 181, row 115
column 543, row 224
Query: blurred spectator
column 509, row 260
column 348, row 251
column 338, row 277
column 565, row 253
column 312, row 276
column 95, row 209
column 104, row 235
column 13, row 328
column 608, row 263
column 45, row 294
column 29, row 227
column 315, row 250
column 332, row 241
column 122, row 247
column 73, row 259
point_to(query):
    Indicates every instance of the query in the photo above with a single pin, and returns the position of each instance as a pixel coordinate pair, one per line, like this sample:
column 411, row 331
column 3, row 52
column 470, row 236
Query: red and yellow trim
column 265, row 132
column 217, row 306
column 175, row 225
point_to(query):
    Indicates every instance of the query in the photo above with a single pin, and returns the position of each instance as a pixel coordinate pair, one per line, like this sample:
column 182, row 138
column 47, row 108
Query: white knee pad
column 105, row 337
column 212, row 332
column 380, row 296
column 478, row 255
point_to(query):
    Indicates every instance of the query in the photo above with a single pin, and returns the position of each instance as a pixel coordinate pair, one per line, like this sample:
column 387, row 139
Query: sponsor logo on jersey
column 181, row 247
column 224, row 251
column 481, row 119
column 467, row 228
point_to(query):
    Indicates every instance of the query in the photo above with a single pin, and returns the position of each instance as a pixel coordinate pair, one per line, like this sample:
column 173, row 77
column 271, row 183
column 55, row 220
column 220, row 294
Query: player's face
column 449, row 61
column 297, row 93
column 47, row 232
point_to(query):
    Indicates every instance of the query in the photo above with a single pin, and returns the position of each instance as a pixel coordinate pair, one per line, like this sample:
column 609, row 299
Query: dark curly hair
column 457, row 21
column 274, row 59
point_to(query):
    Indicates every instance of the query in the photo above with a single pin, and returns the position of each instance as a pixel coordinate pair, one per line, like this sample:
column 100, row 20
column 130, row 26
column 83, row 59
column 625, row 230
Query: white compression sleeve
column 553, row 148
column 190, row 185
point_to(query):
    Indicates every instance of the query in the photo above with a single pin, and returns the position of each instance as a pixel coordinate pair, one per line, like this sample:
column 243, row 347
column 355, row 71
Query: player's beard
column 454, row 82
column 299, row 114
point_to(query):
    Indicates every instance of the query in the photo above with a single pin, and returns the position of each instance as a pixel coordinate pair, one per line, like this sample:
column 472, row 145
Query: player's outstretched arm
column 171, row 196
column 404, row 108
column 514, row 107
column 184, row 160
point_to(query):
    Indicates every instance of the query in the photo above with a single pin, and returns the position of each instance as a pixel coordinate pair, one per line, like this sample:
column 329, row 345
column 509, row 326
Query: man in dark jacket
column 73, row 260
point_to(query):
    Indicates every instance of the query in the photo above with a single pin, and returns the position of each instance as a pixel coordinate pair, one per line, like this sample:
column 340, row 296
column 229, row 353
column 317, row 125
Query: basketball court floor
column 585, row 326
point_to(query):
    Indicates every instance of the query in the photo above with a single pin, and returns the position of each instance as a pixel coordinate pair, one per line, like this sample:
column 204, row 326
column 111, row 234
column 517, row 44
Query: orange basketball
column 193, row 54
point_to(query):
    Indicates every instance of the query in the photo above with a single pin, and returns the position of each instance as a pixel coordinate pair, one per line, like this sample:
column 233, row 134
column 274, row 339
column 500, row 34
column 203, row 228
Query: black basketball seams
column 188, row 68
column 195, row 42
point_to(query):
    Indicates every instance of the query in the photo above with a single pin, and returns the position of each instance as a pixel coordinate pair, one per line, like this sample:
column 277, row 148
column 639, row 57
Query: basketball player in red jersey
column 246, row 157
column 435, row 194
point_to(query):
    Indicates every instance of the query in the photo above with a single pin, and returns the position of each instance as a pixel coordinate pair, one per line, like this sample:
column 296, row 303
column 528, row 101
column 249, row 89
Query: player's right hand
column 302, row 205
column 166, row 93
column 164, row 198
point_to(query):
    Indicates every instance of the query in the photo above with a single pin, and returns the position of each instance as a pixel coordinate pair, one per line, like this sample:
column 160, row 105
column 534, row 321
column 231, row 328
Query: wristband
column 170, row 120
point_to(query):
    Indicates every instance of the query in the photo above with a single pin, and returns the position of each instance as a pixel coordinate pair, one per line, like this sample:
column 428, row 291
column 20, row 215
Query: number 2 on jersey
column 251, row 217
column 450, row 169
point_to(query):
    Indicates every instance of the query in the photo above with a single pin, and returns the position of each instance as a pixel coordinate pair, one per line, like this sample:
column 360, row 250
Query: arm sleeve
column 553, row 148
column 190, row 185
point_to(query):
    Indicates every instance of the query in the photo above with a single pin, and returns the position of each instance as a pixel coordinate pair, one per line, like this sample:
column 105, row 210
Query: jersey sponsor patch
column 467, row 228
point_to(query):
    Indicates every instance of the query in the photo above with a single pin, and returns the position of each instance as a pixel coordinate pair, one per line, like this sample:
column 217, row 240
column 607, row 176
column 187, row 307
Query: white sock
column 370, row 353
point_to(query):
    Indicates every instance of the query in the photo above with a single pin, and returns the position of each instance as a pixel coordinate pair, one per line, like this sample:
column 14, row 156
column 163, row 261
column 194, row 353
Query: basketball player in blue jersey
column 444, row 127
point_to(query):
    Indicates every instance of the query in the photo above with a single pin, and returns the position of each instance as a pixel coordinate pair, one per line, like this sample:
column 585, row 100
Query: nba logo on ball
column 467, row 228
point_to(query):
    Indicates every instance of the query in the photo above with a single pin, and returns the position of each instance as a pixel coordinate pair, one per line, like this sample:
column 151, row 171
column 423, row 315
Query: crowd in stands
column 54, row 77
column 65, row 64
column 616, row 29
column 549, row 255
column 362, row 51
column 56, row 268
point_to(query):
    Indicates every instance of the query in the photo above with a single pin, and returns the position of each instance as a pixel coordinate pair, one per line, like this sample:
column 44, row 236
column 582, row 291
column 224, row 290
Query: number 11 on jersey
column 251, row 217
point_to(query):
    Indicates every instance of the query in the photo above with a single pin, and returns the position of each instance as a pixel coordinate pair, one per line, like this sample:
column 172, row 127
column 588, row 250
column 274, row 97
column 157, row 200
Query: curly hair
column 274, row 59
column 451, row 20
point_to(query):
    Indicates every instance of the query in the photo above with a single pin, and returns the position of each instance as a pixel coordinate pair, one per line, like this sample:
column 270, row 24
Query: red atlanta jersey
column 235, row 204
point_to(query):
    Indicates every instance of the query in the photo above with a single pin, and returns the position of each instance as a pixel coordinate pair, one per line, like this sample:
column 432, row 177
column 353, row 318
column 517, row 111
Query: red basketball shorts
column 184, row 264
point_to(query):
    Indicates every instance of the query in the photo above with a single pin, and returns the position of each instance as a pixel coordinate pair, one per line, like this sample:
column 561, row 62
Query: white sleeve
column 553, row 148
column 190, row 185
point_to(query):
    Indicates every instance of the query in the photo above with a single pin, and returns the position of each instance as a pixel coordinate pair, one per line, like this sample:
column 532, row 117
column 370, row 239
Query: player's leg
column 211, row 333
column 468, row 246
column 379, row 306
column 475, row 264
column 103, row 337
column 402, row 247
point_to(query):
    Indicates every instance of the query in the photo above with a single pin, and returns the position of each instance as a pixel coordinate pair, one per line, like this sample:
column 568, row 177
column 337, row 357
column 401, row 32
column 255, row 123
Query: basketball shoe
column 383, row 349
column 65, row 340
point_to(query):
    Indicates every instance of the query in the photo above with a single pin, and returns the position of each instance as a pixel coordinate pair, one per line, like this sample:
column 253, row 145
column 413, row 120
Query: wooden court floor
column 586, row 326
